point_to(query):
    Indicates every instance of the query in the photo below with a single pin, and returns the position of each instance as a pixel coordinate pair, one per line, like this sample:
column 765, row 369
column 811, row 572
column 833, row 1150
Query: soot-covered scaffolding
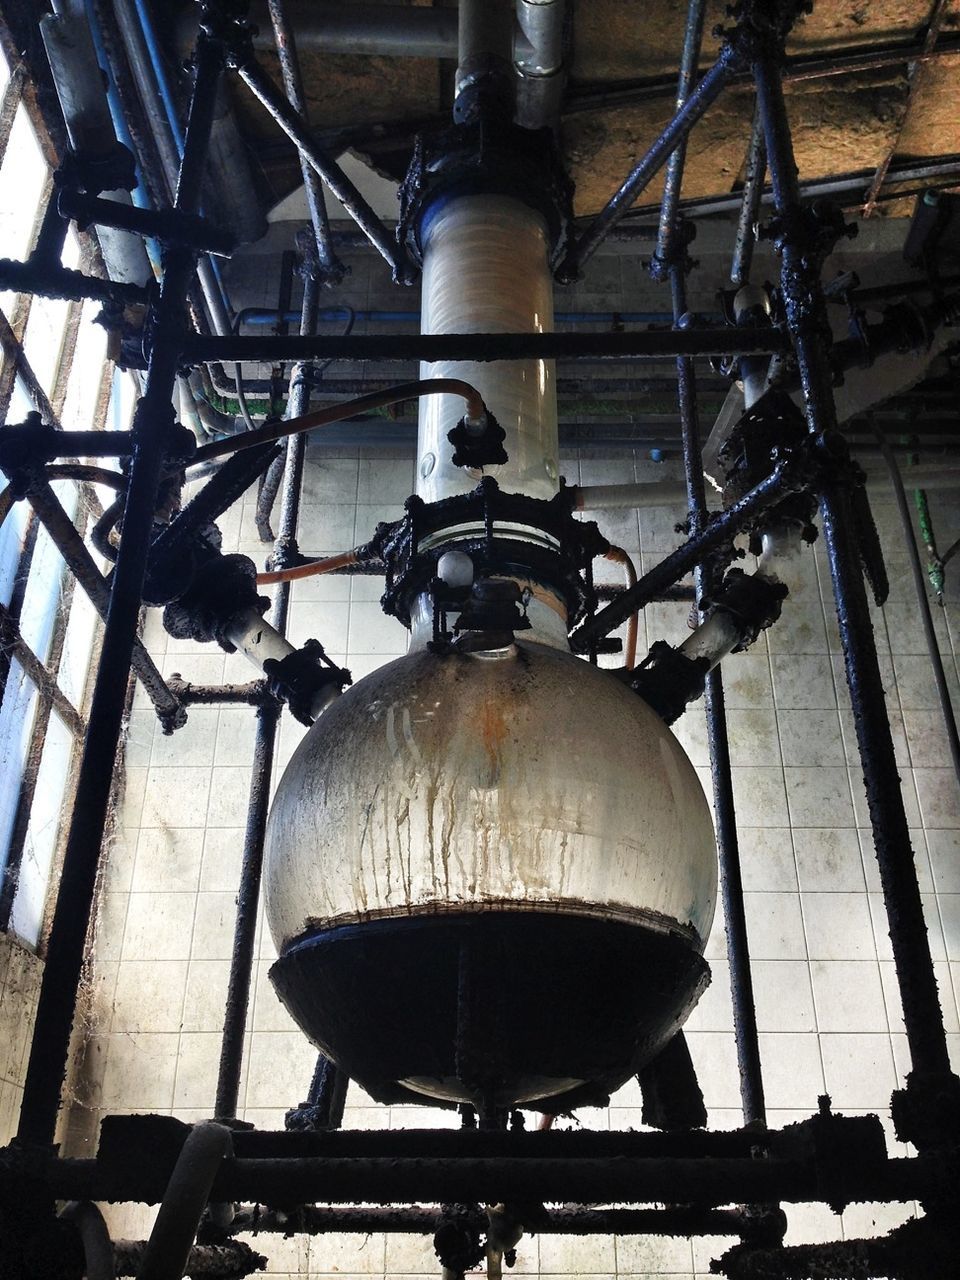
column 276, row 1180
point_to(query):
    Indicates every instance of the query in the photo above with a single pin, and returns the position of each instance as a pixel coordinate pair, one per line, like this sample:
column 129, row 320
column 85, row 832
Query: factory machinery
column 489, row 869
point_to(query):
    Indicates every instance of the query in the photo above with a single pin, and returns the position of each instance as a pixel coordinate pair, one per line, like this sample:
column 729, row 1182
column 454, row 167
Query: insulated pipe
column 186, row 1196
column 484, row 51
column 541, row 69
column 377, row 30
column 617, row 497
column 485, row 270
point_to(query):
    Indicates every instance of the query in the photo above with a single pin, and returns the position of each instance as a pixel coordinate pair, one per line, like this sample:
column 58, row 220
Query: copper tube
column 329, row 565
column 476, row 409
column 619, row 556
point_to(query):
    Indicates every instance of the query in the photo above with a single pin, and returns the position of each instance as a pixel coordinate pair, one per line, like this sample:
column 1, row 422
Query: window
column 53, row 359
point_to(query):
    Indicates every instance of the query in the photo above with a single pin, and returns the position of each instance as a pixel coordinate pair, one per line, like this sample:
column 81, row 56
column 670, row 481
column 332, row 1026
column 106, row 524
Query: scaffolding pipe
column 330, row 265
column 248, row 894
column 746, row 239
column 153, row 425
column 671, row 261
column 694, row 108
column 809, row 330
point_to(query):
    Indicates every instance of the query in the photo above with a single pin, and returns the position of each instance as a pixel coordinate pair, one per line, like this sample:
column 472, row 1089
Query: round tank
column 490, row 876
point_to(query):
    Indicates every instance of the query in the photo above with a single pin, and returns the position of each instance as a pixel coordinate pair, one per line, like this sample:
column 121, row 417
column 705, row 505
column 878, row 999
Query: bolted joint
column 668, row 681
column 306, row 680
column 752, row 600
column 762, row 28
column 216, row 591
column 812, row 229
column 478, row 442
column 113, row 170
column 23, row 451
column 458, row 1241
column 309, row 267
column 286, row 554
column 226, row 20
column 660, row 265
column 927, row 1111
column 490, row 615
column 772, row 427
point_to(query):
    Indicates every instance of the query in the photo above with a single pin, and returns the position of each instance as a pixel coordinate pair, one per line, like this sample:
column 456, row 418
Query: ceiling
column 843, row 123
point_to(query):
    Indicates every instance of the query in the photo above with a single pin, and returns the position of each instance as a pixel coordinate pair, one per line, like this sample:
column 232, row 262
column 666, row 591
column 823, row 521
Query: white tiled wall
column 825, row 989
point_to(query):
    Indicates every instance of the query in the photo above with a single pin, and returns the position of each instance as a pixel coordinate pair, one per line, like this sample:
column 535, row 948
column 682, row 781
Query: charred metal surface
column 296, row 128
column 331, row 269
column 673, row 263
column 672, row 1098
column 55, row 281
column 248, row 895
column 71, row 546
column 253, row 694
column 152, row 426
column 802, row 239
column 918, row 1250
column 188, row 231
column 722, row 529
column 323, row 1108
column 562, row 1220
column 229, row 1261
column 248, row 904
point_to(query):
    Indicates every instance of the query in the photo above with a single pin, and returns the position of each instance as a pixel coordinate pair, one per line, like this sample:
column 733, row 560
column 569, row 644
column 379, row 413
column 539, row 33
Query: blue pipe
column 139, row 194
column 160, row 71
column 165, row 89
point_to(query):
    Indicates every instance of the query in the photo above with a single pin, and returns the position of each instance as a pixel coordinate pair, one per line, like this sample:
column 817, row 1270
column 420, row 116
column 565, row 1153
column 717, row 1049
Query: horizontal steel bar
column 253, row 694
column 53, row 281
column 188, row 230
column 605, row 96
column 625, row 1180
column 648, row 344
column 565, row 1220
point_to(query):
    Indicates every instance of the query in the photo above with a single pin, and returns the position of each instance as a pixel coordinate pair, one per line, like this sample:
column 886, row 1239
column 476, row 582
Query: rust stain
column 493, row 731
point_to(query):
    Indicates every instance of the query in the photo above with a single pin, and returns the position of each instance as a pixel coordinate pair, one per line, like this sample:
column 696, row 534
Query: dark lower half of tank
column 550, row 1009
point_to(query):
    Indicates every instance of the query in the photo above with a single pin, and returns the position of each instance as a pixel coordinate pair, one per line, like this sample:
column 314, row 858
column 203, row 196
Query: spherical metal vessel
column 506, row 850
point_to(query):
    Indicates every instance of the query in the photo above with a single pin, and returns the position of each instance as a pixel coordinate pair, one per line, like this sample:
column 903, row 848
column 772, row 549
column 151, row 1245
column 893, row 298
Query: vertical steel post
column 671, row 262
column 153, row 428
column 331, row 267
column 248, row 897
column 667, row 237
column 750, row 206
column 810, row 331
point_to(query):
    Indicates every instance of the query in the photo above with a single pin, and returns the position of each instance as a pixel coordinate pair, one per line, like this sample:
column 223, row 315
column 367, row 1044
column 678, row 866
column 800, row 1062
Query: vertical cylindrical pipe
column 251, row 871
column 485, row 270
column 485, row 56
column 283, row 37
column 248, row 907
column 725, row 817
column 673, row 180
column 750, row 205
